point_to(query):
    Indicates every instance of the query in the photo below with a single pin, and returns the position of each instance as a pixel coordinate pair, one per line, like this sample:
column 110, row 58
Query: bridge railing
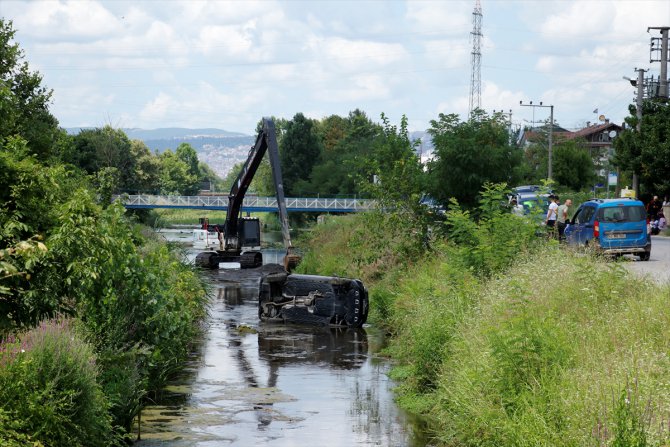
column 249, row 203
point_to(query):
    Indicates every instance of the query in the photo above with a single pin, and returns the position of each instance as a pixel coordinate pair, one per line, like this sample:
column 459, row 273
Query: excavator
column 240, row 237
column 283, row 296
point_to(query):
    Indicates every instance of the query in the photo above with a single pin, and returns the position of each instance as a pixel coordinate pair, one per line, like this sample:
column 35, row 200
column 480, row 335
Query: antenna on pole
column 476, row 60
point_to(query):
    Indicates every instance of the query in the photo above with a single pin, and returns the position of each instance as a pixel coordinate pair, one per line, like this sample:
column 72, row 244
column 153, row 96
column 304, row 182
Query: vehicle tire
column 645, row 256
column 357, row 305
column 275, row 277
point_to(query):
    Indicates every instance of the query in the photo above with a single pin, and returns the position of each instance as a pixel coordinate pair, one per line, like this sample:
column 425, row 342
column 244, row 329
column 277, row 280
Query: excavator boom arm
column 265, row 141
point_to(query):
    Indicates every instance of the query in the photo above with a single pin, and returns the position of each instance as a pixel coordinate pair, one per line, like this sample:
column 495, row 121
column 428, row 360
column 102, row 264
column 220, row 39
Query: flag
column 596, row 110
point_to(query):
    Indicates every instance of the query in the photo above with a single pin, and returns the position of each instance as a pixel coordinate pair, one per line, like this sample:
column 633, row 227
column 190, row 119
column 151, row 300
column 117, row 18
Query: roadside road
column 658, row 266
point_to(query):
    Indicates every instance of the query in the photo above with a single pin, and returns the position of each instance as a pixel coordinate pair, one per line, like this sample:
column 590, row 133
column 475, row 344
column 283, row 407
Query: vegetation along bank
column 502, row 338
column 95, row 312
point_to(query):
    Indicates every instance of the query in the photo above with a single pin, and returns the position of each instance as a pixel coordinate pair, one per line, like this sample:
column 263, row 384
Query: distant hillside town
column 220, row 149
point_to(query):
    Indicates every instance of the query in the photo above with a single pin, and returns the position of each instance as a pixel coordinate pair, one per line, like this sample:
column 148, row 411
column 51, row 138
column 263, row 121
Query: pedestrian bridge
column 250, row 204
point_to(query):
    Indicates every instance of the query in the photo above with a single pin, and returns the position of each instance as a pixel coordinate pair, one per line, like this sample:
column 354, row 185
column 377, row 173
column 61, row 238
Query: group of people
column 655, row 214
column 557, row 217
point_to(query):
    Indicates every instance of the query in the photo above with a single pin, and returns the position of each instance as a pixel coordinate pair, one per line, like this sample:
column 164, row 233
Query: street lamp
column 551, row 132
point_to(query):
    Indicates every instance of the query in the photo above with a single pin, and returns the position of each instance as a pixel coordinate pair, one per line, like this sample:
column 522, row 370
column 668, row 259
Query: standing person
column 654, row 207
column 552, row 215
column 562, row 218
column 517, row 209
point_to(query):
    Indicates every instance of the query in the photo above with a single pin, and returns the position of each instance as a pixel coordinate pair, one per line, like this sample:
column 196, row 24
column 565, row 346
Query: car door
column 575, row 227
column 581, row 227
column 586, row 221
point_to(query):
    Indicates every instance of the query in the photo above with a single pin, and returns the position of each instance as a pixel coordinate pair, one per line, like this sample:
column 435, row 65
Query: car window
column 584, row 215
column 531, row 203
column 622, row 213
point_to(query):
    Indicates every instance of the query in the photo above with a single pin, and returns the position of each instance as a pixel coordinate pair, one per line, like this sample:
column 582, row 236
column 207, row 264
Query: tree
column 188, row 155
column 395, row 176
column 147, row 166
column 468, row 154
column 24, row 102
column 106, row 147
column 175, row 177
column 300, row 150
column 208, row 174
column 572, row 165
column 647, row 152
column 347, row 147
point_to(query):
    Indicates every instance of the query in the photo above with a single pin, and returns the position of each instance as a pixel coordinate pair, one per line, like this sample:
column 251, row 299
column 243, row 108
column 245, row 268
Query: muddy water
column 251, row 383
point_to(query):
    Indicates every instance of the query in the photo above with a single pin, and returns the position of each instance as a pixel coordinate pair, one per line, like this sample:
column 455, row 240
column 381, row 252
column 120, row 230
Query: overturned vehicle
column 313, row 300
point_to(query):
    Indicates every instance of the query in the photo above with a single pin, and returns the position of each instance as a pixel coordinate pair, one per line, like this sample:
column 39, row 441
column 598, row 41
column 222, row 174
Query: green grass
column 541, row 347
column 539, row 356
column 167, row 217
column 173, row 216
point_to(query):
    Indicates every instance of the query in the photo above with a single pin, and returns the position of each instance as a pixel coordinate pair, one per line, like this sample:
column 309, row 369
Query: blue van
column 612, row 227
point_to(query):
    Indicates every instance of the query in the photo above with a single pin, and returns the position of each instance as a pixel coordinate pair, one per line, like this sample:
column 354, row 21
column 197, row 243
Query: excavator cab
column 250, row 233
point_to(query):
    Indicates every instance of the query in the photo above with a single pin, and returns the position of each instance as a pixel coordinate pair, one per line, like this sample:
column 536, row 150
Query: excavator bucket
column 291, row 260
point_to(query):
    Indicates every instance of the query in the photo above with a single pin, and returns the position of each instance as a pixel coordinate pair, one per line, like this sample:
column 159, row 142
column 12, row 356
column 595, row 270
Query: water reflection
column 266, row 384
column 330, row 347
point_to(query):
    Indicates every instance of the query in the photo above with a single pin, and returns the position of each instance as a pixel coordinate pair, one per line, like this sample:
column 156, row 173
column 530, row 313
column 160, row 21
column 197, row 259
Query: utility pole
column 509, row 121
column 639, row 100
column 663, row 81
column 551, row 133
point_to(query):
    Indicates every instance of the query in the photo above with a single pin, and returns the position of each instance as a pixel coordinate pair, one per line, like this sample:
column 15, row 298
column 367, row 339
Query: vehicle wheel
column 645, row 256
column 357, row 305
column 275, row 277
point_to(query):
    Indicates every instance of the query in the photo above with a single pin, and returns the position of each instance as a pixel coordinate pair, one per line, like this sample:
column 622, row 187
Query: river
column 251, row 383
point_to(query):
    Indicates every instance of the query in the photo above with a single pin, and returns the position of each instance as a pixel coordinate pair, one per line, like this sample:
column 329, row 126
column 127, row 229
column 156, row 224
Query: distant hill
column 171, row 137
column 219, row 148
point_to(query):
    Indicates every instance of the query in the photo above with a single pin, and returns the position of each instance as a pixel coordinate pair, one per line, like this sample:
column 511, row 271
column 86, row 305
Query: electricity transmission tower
column 476, row 60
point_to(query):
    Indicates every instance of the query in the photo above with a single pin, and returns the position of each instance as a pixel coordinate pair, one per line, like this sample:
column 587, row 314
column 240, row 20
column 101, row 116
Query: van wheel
column 645, row 256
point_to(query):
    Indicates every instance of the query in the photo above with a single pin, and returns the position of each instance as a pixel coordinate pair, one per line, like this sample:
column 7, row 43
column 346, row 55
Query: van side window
column 584, row 215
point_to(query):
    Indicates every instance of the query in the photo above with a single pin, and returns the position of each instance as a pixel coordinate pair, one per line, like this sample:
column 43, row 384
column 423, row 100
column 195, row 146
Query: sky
column 226, row 64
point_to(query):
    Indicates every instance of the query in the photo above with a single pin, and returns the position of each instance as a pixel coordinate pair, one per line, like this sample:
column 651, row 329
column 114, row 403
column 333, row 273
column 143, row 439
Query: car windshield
column 622, row 213
column 532, row 203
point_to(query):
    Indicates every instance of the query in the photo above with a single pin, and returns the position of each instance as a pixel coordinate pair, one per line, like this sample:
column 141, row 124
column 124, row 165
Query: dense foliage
column 500, row 338
column 299, row 152
column 647, row 152
column 572, row 165
column 469, row 154
column 95, row 313
column 24, row 102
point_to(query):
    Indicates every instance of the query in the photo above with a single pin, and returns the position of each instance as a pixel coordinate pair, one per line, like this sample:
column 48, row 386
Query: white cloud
column 546, row 64
column 356, row 89
column 604, row 20
column 227, row 40
column 71, row 19
column 449, row 53
column 452, row 17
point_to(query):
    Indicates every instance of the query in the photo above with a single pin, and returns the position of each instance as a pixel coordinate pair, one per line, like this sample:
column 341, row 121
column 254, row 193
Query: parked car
column 612, row 227
column 533, row 203
column 526, row 189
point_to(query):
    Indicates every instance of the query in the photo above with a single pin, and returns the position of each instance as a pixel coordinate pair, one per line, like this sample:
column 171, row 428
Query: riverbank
column 548, row 347
column 100, row 314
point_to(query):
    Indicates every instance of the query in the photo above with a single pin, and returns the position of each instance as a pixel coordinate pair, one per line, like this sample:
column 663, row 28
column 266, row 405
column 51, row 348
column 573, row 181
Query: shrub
column 49, row 388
